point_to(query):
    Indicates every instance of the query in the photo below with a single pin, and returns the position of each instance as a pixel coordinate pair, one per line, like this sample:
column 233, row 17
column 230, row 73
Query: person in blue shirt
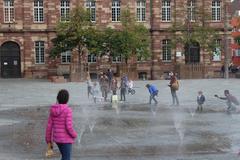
column 153, row 92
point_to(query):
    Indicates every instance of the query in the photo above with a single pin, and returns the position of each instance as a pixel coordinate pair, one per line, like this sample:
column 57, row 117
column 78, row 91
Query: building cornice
column 27, row 31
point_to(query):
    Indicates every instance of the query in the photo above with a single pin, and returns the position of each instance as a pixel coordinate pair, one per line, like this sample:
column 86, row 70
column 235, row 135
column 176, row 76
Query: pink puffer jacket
column 60, row 125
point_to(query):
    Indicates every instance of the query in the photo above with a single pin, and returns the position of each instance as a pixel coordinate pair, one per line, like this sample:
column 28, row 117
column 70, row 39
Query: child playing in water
column 96, row 92
column 231, row 100
column 114, row 98
column 89, row 87
column 200, row 101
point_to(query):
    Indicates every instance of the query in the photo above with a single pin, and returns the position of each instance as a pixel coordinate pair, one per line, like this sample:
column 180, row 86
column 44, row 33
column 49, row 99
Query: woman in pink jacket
column 60, row 126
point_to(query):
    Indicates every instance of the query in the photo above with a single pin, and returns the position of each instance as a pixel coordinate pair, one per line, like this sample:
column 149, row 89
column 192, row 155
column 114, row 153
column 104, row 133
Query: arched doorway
column 10, row 60
column 192, row 53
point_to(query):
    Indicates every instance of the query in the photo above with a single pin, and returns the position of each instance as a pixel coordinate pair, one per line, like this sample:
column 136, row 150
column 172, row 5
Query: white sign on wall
column 217, row 55
column 178, row 54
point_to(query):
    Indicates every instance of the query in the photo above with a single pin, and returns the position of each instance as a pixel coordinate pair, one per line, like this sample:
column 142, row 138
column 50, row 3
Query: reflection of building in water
column 26, row 34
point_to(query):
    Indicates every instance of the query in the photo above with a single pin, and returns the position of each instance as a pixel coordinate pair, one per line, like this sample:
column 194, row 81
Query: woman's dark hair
column 63, row 96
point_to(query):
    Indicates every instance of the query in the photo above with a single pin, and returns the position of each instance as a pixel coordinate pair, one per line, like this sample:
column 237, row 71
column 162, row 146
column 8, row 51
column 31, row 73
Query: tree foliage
column 187, row 32
column 134, row 37
column 79, row 33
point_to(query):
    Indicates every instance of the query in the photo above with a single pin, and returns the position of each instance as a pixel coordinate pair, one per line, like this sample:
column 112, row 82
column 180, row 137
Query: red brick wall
column 25, row 31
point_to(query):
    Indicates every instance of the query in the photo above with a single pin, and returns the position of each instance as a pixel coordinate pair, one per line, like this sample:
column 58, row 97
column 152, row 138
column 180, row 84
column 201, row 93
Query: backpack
column 175, row 85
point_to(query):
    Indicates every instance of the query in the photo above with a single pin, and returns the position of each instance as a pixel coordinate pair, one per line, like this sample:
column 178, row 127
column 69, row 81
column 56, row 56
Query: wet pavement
column 132, row 130
column 127, row 132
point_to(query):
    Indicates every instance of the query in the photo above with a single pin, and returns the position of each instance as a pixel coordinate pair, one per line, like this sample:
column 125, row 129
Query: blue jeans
column 174, row 97
column 152, row 97
column 65, row 149
column 123, row 93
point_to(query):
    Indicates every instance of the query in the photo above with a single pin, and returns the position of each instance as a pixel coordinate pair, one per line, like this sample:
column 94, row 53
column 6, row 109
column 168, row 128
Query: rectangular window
column 166, row 10
column 91, row 8
column 64, row 10
column 66, row 57
column 117, row 59
column 217, row 50
column 237, row 52
column 166, row 50
column 39, row 52
column 8, row 11
column 191, row 10
column 141, row 10
column 116, row 10
column 216, row 10
column 92, row 58
column 38, row 10
column 141, row 59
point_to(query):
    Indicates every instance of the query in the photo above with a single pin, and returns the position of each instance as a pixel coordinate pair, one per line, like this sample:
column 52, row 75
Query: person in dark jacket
column 110, row 77
column 153, row 93
column 200, row 101
column 114, row 85
column 123, row 89
column 104, row 84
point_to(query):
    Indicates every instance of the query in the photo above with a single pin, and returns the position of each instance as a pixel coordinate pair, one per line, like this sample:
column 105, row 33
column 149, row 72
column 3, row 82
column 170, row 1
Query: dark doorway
column 142, row 76
column 192, row 53
column 10, row 60
column 93, row 76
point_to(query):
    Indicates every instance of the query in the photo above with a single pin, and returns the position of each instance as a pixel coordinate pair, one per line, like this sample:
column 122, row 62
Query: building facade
column 235, row 22
column 27, row 27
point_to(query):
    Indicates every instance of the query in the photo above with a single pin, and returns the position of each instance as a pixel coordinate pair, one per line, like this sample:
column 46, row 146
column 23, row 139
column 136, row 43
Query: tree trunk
column 80, row 64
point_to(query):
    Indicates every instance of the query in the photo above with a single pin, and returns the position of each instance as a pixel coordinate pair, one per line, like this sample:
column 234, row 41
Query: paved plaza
column 131, row 130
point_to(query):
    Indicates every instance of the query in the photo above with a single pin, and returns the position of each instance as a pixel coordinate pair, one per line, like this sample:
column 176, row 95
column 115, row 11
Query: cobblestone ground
column 132, row 130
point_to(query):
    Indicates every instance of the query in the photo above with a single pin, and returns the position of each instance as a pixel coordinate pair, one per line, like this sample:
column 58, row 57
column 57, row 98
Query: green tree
column 195, row 29
column 134, row 37
column 76, row 34
column 131, row 40
column 79, row 34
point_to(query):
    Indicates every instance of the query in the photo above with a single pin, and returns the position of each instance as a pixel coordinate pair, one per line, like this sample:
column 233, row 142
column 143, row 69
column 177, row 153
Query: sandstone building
column 27, row 27
column 235, row 22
